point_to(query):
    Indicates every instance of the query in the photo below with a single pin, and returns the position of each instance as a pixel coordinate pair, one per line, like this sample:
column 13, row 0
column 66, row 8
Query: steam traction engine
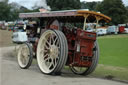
column 60, row 38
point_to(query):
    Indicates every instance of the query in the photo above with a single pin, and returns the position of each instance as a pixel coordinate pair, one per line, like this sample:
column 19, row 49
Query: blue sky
column 30, row 3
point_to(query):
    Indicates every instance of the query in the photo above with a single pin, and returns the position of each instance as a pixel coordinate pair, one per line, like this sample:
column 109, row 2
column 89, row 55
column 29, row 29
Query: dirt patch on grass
column 111, row 72
column 114, row 68
column 5, row 38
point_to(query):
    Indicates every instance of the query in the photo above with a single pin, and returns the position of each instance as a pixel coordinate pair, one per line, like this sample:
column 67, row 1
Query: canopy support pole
column 85, row 20
column 97, row 21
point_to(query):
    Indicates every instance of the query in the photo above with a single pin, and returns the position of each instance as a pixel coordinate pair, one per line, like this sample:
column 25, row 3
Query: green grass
column 113, row 57
column 114, row 50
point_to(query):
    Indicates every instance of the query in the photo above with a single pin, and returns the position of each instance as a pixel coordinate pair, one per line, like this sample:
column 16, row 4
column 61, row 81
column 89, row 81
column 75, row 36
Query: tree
column 89, row 5
column 115, row 9
column 64, row 4
column 4, row 10
column 10, row 12
column 127, row 14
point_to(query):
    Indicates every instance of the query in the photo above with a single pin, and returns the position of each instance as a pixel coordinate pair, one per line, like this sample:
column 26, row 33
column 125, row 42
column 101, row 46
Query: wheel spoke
column 27, row 58
column 22, row 51
column 47, row 58
column 55, row 61
column 57, row 44
column 45, row 50
column 47, row 42
column 41, row 51
column 25, row 54
column 55, row 41
column 51, row 63
column 46, row 55
column 46, row 47
column 24, row 61
column 52, row 38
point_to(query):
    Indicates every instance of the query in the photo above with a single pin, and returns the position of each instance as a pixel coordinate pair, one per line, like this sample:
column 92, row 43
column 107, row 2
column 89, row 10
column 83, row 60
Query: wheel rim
column 23, row 56
column 48, row 51
column 88, row 70
column 78, row 70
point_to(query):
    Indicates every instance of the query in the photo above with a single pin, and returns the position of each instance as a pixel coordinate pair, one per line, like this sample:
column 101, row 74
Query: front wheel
column 88, row 70
column 25, row 55
column 52, row 52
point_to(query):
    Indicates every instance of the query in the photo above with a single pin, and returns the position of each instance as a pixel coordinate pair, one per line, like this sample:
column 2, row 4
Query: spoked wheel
column 88, row 70
column 52, row 52
column 25, row 56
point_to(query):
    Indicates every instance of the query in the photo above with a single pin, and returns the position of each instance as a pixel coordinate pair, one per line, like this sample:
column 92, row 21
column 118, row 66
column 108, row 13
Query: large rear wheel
column 88, row 70
column 52, row 52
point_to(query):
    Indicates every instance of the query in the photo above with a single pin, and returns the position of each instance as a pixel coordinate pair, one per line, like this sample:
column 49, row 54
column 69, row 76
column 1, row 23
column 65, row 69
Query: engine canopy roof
column 71, row 15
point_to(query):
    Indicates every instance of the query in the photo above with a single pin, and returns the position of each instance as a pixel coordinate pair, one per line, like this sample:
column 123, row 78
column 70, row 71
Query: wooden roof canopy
column 74, row 15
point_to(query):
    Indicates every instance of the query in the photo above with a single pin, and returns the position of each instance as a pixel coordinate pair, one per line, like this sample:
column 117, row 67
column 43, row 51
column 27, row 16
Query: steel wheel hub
column 54, row 51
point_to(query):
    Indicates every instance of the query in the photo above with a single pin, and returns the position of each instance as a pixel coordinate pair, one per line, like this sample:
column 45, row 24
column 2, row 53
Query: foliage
column 115, row 9
column 7, row 11
column 4, row 11
column 10, row 12
column 127, row 13
column 89, row 5
column 64, row 4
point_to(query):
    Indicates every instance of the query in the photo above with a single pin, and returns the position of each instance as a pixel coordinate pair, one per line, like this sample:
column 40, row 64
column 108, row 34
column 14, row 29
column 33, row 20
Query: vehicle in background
column 90, row 29
column 2, row 25
column 112, row 30
column 126, row 30
column 17, row 25
column 101, row 31
column 121, row 29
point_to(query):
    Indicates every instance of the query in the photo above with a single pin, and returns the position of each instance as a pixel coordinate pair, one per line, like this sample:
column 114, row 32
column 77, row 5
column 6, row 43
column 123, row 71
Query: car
column 126, row 30
column 90, row 29
column 101, row 31
column 113, row 30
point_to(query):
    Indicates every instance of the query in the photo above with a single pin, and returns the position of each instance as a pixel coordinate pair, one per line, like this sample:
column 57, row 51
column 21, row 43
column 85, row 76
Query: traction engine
column 55, row 45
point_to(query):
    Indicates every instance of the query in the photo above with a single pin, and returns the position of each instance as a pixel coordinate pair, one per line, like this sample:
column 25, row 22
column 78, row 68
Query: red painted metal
column 76, row 37
column 85, row 40
column 121, row 29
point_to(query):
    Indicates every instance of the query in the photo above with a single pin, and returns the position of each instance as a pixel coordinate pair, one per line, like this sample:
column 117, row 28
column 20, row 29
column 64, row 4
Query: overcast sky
column 30, row 3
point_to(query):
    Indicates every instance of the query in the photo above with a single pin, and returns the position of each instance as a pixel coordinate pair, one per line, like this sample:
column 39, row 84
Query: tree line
column 112, row 8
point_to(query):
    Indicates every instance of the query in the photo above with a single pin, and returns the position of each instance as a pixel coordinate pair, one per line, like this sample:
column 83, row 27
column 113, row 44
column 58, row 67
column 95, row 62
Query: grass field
column 114, row 50
column 113, row 56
